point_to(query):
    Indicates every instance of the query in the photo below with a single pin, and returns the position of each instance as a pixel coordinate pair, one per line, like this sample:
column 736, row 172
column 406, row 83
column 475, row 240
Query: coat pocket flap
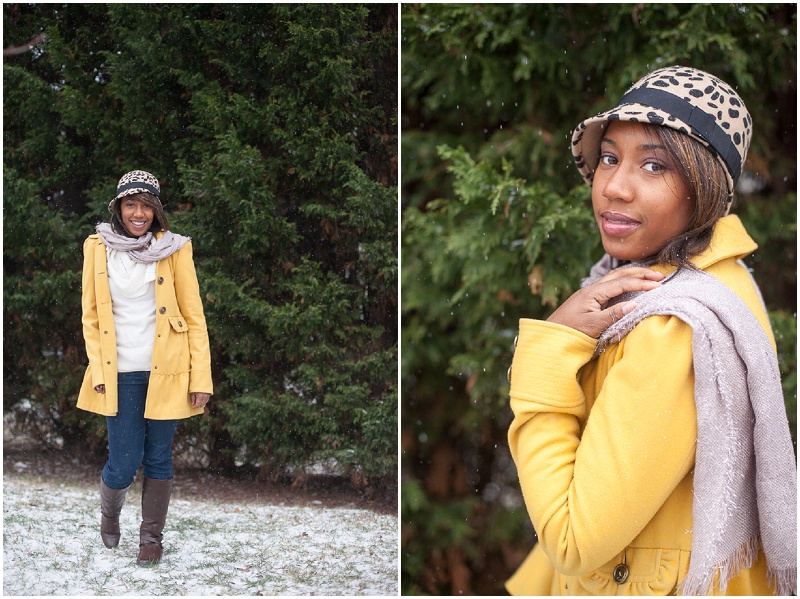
column 178, row 324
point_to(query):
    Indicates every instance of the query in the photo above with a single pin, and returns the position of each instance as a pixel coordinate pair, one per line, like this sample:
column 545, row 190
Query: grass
column 51, row 546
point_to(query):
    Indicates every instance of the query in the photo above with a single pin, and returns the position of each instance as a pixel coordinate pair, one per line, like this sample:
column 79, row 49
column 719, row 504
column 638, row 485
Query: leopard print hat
column 691, row 101
column 136, row 182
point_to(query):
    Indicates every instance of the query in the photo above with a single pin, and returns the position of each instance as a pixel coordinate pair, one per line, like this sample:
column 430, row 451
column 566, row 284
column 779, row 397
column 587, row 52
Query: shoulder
column 658, row 335
column 161, row 234
column 658, row 346
column 736, row 276
column 92, row 241
column 658, row 326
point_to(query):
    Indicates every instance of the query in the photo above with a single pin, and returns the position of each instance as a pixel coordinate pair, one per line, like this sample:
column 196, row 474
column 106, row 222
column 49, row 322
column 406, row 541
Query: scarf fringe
column 702, row 583
column 783, row 581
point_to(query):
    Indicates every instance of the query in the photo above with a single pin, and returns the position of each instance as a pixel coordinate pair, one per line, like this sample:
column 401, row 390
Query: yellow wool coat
column 605, row 448
column 181, row 361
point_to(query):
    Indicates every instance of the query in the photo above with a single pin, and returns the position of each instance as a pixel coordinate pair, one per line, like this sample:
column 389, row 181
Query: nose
column 138, row 209
column 617, row 185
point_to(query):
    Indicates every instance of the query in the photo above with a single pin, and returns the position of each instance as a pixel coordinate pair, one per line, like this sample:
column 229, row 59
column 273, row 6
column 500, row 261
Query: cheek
column 685, row 207
column 597, row 185
column 680, row 205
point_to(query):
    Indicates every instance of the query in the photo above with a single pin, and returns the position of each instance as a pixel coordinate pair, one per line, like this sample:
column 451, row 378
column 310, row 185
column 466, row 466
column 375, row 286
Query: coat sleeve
column 592, row 484
column 187, row 292
column 90, row 316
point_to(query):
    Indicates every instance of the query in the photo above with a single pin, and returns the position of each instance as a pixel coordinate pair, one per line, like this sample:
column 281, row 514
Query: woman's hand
column 100, row 389
column 199, row 400
column 586, row 311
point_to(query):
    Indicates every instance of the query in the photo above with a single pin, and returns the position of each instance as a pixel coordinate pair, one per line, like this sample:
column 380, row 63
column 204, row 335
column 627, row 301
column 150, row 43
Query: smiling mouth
column 616, row 225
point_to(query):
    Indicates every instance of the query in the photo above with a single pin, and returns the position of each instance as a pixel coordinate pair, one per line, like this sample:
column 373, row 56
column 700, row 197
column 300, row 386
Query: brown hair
column 160, row 222
column 705, row 177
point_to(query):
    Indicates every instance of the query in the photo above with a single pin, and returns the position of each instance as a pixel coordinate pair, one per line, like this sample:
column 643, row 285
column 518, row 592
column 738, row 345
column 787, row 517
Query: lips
column 616, row 224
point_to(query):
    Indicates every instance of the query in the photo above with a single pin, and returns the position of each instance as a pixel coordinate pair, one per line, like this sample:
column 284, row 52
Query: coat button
column 162, row 310
column 180, row 324
column 508, row 374
column 515, row 341
column 621, row 573
column 106, row 332
column 160, row 280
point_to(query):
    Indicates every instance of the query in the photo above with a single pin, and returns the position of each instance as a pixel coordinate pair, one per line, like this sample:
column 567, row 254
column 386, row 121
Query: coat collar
column 730, row 240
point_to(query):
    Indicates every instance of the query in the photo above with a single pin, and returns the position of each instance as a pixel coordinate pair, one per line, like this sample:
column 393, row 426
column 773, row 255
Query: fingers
column 610, row 289
column 199, row 400
column 633, row 271
column 615, row 313
column 595, row 323
column 586, row 311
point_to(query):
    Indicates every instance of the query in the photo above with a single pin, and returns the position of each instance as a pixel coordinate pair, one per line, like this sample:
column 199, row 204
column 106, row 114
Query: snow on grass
column 52, row 546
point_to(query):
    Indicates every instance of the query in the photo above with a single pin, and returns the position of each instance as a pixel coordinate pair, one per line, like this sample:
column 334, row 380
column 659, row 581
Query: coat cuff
column 545, row 368
column 96, row 371
column 200, row 382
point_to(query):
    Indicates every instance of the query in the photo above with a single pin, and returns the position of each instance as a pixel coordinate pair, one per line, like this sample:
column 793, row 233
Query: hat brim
column 587, row 136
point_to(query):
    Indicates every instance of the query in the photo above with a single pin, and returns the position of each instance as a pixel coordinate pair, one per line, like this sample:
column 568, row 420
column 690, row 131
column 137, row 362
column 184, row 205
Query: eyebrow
column 610, row 141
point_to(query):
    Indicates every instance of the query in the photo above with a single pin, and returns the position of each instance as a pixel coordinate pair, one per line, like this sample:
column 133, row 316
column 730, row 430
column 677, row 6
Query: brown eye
column 654, row 167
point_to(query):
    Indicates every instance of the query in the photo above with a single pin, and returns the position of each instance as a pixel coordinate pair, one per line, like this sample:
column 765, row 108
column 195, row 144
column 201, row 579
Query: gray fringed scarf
column 142, row 249
column 745, row 476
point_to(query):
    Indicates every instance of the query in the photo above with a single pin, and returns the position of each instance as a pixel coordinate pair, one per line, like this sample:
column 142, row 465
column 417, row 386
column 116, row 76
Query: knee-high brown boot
column 155, row 502
column 111, row 501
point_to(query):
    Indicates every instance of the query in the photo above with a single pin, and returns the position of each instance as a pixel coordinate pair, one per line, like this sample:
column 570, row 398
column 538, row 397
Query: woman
column 149, row 356
column 641, row 464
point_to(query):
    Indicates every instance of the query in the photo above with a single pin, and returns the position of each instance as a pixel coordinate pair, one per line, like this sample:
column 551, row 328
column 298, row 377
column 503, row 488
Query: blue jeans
column 134, row 440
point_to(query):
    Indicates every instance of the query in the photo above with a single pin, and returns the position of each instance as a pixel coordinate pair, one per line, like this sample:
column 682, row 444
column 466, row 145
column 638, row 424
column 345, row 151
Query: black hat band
column 139, row 185
column 704, row 125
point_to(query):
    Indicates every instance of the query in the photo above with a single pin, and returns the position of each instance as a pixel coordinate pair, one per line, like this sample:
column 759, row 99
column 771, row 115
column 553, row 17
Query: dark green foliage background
column 496, row 227
column 272, row 129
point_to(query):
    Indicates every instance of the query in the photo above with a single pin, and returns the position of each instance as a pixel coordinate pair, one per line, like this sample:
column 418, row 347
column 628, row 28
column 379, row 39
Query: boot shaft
column 155, row 504
column 111, row 501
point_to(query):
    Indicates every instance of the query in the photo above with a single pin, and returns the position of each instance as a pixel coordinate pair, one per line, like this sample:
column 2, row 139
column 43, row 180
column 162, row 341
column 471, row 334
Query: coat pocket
column 171, row 355
column 178, row 324
column 650, row 572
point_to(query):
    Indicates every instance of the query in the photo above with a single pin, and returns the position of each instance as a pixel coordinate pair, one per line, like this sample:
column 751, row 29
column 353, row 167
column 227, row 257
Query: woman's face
column 639, row 199
column 136, row 216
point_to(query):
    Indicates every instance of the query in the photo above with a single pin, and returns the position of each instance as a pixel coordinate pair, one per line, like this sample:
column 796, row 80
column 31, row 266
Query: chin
column 630, row 256
column 622, row 253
